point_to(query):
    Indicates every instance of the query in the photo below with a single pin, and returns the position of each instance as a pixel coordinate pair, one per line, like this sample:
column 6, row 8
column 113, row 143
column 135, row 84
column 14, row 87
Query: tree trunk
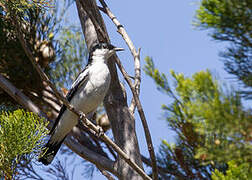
column 122, row 121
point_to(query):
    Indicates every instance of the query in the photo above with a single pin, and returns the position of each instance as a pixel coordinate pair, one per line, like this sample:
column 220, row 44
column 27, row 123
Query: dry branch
column 135, row 88
column 83, row 152
column 136, row 54
column 18, row 96
column 106, row 174
column 143, row 119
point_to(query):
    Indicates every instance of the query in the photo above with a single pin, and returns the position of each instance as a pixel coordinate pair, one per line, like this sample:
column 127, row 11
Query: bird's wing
column 81, row 79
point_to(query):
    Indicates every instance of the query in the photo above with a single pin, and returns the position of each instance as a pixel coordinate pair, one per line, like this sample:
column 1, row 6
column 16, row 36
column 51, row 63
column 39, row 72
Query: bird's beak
column 118, row 49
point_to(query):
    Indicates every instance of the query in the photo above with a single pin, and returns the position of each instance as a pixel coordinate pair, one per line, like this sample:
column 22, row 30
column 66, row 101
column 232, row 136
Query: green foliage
column 21, row 137
column 231, row 21
column 234, row 172
column 221, row 14
column 35, row 26
column 211, row 124
column 22, row 5
column 40, row 24
column 41, row 27
column 159, row 78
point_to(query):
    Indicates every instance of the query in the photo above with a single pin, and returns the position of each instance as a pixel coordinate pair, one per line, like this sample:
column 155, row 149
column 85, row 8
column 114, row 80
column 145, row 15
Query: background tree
column 242, row 172
column 210, row 121
column 231, row 21
column 211, row 125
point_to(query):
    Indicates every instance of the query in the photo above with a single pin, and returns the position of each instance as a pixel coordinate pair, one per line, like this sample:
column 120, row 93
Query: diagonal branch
column 91, row 156
column 85, row 153
column 134, row 87
column 106, row 174
column 18, row 96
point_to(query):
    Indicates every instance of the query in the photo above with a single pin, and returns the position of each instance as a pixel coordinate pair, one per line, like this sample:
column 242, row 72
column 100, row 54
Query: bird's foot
column 100, row 131
column 82, row 115
column 82, row 118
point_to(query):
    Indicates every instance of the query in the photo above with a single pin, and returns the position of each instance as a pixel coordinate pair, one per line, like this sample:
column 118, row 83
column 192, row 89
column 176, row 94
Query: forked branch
column 135, row 88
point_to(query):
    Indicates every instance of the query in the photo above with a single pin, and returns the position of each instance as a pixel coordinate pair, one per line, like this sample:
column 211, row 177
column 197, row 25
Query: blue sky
column 163, row 30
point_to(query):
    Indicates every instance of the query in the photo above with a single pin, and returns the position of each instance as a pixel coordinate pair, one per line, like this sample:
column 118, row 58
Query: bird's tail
column 49, row 152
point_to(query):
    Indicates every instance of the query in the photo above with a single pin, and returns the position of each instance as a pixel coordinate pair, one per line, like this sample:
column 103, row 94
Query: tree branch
column 164, row 171
column 135, row 88
column 83, row 152
column 143, row 119
column 105, row 173
column 95, row 158
column 18, row 96
column 136, row 54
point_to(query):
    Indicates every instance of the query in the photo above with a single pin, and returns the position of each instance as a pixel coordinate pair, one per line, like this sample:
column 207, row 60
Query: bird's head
column 104, row 50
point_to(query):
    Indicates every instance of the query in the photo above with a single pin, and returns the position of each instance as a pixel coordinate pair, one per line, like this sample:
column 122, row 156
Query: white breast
column 92, row 93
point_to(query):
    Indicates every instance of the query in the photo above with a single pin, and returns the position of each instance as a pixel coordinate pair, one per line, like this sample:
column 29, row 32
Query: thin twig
column 135, row 54
column 80, row 114
column 164, row 171
column 137, row 79
column 135, row 88
column 105, row 173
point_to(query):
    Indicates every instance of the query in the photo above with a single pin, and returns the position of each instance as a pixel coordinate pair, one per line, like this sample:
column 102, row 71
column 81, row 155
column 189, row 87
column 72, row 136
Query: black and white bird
column 86, row 93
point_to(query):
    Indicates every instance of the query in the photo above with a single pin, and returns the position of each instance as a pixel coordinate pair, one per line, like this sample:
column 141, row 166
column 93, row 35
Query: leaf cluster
column 35, row 26
column 211, row 124
column 42, row 28
column 241, row 172
column 21, row 137
column 231, row 21
column 20, row 6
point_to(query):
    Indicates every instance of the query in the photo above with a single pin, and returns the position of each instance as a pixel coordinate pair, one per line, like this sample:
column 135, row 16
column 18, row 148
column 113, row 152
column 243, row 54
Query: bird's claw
column 82, row 115
column 82, row 119
column 100, row 131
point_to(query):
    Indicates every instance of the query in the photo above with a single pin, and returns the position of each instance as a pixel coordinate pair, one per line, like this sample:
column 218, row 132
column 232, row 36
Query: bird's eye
column 104, row 46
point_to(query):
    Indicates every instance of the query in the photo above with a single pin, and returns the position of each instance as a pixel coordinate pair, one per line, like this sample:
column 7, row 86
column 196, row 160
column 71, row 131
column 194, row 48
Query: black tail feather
column 49, row 153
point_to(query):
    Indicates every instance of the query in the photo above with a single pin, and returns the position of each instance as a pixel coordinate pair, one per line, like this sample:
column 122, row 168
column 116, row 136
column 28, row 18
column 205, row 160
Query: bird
column 86, row 94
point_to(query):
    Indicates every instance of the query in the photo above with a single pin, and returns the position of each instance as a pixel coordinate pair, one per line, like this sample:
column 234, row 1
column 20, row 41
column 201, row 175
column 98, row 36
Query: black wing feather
column 69, row 96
